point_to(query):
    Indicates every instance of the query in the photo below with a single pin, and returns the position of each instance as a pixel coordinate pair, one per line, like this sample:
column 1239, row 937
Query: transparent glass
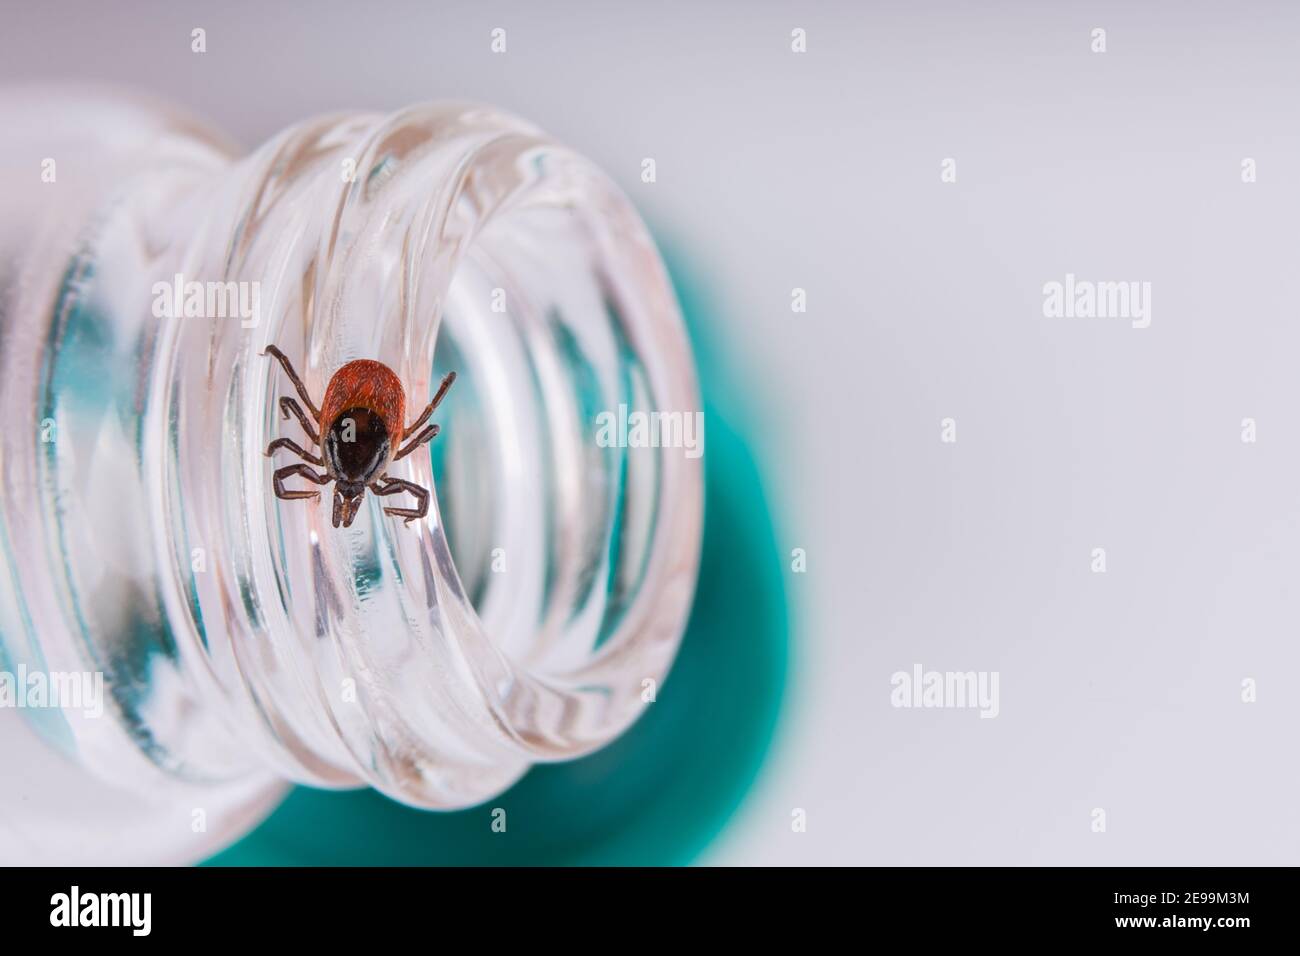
column 244, row 641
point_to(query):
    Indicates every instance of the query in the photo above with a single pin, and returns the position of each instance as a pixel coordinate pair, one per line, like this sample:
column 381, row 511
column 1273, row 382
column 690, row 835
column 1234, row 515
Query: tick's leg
column 283, row 359
column 287, row 471
column 424, row 436
column 393, row 486
column 437, row 398
column 292, row 445
column 287, row 406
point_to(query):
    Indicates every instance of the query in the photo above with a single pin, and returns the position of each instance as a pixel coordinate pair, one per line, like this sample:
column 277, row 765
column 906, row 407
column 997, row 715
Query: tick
column 361, row 421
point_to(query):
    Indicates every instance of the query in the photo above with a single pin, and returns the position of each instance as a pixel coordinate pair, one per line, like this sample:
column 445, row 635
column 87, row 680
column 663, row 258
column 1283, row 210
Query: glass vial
column 242, row 640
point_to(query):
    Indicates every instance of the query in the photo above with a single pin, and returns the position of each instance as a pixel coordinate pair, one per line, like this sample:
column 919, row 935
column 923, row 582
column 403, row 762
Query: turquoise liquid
column 661, row 792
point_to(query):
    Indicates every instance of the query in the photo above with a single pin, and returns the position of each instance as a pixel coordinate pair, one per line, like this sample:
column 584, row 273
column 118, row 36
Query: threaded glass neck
column 522, row 620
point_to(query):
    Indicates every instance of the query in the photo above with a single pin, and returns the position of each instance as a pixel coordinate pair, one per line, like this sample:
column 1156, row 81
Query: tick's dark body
column 361, row 433
column 357, row 448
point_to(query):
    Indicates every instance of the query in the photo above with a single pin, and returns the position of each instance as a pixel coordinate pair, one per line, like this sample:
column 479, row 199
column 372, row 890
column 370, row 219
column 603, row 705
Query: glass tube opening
column 438, row 674
column 243, row 639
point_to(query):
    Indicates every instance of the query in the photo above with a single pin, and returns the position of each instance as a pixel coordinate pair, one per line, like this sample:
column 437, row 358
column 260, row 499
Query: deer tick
column 360, row 434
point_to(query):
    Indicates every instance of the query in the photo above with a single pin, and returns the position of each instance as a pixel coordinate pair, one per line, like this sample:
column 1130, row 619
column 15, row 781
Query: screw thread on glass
column 243, row 639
